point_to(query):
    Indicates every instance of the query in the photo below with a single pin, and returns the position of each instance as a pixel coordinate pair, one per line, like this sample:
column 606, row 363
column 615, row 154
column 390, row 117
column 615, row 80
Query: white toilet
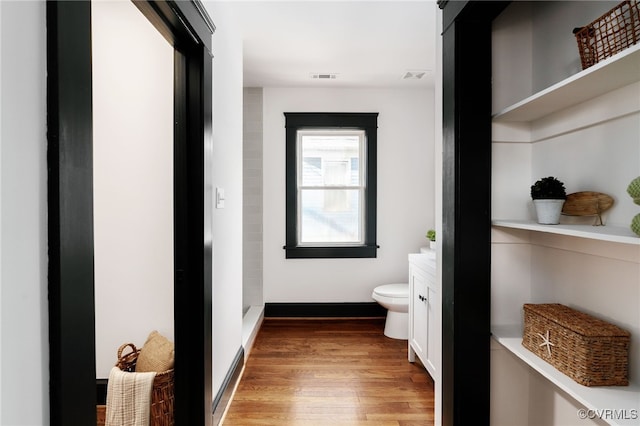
column 395, row 298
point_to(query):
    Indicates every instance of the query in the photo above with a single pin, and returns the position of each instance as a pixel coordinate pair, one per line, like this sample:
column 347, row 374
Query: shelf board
column 613, row 73
column 616, row 234
column 622, row 398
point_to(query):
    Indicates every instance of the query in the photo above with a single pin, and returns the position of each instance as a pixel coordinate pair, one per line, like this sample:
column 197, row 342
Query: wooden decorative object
column 587, row 203
column 589, row 350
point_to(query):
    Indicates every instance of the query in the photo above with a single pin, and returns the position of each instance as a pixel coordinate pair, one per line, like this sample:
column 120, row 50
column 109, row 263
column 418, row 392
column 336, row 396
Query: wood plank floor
column 330, row 372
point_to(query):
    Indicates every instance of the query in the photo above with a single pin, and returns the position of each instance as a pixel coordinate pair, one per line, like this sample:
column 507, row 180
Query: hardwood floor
column 330, row 372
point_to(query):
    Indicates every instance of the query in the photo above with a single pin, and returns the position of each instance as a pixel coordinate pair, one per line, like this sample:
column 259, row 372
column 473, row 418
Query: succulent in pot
column 548, row 196
column 431, row 236
column 548, row 188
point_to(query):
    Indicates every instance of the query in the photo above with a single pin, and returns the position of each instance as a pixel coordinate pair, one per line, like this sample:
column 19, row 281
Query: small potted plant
column 431, row 236
column 548, row 196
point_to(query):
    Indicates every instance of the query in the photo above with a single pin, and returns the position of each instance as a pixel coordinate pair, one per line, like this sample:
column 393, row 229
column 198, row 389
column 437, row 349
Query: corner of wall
column 23, row 210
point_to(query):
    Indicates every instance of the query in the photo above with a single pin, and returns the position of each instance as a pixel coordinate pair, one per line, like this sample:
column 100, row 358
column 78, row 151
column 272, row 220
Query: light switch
column 219, row 198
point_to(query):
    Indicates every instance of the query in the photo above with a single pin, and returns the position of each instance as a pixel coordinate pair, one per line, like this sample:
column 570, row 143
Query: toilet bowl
column 395, row 298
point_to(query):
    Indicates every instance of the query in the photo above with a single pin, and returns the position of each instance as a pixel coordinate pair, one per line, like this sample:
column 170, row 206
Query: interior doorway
column 72, row 312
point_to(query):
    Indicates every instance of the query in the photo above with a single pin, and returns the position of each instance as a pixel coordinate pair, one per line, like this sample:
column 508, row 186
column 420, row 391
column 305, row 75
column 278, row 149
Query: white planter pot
column 548, row 211
column 432, row 245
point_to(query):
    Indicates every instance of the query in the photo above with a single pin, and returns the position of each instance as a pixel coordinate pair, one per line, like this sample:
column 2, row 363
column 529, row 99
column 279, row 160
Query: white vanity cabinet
column 424, row 302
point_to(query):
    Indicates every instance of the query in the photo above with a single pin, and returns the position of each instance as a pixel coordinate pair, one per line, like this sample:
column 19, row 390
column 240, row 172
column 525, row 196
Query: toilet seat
column 393, row 290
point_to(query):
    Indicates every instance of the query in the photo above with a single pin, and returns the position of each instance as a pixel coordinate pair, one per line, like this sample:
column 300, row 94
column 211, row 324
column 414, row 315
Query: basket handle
column 122, row 348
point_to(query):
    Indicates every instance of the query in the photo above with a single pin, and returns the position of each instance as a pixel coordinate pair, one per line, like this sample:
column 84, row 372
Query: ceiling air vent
column 324, row 76
column 414, row 75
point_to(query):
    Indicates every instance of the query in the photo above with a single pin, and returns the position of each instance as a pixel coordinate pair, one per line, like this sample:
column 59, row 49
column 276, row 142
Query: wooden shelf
column 621, row 398
column 616, row 234
column 613, row 73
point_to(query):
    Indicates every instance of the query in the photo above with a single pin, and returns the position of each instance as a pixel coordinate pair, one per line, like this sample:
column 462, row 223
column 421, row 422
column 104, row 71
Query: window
column 331, row 185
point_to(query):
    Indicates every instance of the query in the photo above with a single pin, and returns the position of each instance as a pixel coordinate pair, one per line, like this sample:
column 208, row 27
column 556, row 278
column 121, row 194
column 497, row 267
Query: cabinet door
column 431, row 351
column 418, row 317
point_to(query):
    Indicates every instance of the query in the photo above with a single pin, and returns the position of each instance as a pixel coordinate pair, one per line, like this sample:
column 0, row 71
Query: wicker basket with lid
column 591, row 351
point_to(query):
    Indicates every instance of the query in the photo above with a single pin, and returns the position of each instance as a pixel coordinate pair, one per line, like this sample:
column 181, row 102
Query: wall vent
column 414, row 75
column 326, row 76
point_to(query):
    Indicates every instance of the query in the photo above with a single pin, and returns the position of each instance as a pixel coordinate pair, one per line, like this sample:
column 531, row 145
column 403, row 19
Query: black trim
column 193, row 212
column 324, row 310
column 179, row 21
column 349, row 252
column 194, row 16
column 311, row 120
column 72, row 362
column 192, row 294
column 223, row 397
column 101, row 391
column 466, row 228
column 352, row 120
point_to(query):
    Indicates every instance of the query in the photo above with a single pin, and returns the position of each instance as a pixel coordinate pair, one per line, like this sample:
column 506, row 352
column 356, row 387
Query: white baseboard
column 251, row 323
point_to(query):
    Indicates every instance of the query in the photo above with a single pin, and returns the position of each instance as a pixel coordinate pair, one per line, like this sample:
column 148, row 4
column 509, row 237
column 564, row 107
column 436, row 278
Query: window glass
column 330, row 216
column 330, row 187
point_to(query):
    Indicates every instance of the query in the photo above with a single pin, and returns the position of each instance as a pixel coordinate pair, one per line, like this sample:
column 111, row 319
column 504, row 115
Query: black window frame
column 366, row 121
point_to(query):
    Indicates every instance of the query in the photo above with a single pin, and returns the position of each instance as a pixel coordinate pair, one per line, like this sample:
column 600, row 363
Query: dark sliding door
column 71, row 247
column 192, row 191
column 466, row 249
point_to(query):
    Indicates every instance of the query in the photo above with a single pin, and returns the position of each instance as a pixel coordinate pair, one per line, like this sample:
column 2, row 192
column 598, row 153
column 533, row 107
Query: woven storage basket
column 162, row 394
column 590, row 351
column 611, row 33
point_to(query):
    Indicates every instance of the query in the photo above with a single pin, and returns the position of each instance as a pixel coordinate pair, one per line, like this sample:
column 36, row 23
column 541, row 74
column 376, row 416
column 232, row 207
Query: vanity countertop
column 426, row 260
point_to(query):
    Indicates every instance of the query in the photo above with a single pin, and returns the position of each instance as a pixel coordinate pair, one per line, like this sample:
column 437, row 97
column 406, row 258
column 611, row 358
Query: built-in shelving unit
column 622, row 399
column 616, row 234
column 613, row 73
column 554, row 116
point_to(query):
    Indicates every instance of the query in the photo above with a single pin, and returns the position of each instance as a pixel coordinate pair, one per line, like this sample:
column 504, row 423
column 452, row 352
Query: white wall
column 511, row 32
column 252, row 196
column 227, row 174
column 555, row 50
column 24, row 348
column 133, row 179
column 405, row 193
column 600, row 166
column 438, row 202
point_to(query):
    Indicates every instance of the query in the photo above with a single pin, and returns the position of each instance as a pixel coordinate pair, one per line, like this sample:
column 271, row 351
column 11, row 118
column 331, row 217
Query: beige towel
column 128, row 398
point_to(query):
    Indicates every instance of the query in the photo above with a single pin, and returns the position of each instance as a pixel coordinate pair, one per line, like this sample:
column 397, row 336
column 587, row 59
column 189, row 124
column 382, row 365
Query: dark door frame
column 466, row 215
column 188, row 28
